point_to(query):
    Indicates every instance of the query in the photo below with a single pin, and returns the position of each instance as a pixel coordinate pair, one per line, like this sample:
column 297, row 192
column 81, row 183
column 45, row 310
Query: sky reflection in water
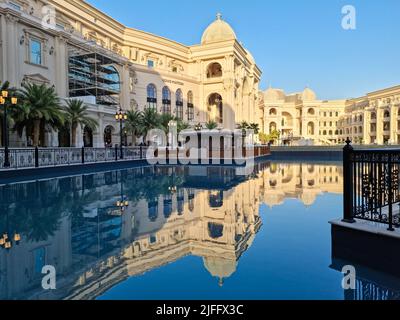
column 187, row 233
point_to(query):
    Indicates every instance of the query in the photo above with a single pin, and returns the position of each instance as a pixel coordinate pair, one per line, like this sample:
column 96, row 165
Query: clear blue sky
column 295, row 43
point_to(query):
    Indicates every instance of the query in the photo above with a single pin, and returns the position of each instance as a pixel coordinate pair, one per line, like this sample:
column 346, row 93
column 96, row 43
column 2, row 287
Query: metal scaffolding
column 91, row 72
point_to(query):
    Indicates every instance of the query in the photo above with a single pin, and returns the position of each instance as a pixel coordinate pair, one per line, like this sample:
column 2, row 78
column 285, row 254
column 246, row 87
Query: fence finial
column 348, row 141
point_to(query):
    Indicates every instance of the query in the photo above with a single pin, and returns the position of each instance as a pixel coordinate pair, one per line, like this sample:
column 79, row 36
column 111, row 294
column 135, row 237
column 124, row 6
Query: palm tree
column 164, row 120
column 182, row 125
column 133, row 124
column 211, row 125
column 150, row 120
column 255, row 127
column 41, row 107
column 76, row 114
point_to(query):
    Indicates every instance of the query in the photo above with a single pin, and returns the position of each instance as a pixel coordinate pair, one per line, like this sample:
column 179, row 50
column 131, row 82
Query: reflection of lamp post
column 4, row 96
column 6, row 242
column 123, row 203
column 121, row 116
column 173, row 189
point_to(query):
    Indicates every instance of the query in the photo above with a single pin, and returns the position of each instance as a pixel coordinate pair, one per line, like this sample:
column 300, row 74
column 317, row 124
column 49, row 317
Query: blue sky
column 295, row 43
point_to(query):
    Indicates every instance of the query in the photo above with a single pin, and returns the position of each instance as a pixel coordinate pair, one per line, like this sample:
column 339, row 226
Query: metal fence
column 50, row 157
column 371, row 185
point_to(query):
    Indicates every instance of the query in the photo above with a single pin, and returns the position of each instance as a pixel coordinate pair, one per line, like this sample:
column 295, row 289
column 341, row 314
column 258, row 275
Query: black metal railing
column 371, row 185
column 49, row 157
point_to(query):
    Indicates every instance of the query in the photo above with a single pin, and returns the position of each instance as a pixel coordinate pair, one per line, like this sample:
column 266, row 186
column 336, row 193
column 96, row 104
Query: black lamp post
column 3, row 102
column 198, row 127
column 121, row 116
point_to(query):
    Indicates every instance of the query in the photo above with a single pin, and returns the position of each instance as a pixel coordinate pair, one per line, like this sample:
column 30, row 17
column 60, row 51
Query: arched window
column 215, row 199
column 330, row 132
column 190, row 106
column 179, row 104
column 373, row 115
column 215, row 108
column 151, row 96
column 324, row 132
column 214, row 70
column 166, row 100
column 215, row 230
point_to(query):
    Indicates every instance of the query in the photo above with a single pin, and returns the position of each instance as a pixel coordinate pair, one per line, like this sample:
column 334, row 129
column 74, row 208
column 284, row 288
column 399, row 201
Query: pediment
column 35, row 78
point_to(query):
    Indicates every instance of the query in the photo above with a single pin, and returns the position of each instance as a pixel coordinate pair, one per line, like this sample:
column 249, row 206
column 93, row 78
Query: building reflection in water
column 76, row 225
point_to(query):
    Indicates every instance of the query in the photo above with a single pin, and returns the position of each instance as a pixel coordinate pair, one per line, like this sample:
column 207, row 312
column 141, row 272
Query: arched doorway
column 88, row 137
column 272, row 127
column 64, row 139
column 310, row 128
column 215, row 111
column 108, row 133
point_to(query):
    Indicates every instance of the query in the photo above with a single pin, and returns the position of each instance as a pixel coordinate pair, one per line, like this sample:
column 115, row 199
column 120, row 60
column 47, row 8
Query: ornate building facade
column 86, row 54
column 303, row 119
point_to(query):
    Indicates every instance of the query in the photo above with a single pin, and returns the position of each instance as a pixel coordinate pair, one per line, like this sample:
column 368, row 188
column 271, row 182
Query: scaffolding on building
column 92, row 73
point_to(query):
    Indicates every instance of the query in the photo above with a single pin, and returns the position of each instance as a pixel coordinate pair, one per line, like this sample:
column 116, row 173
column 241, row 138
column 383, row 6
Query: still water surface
column 179, row 233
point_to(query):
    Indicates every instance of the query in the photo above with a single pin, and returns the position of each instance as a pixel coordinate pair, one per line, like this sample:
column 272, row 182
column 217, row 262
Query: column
column 367, row 127
column 393, row 124
column 379, row 126
column 79, row 137
column 98, row 136
column 11, row 50
column 125, row 90
column 61, row 53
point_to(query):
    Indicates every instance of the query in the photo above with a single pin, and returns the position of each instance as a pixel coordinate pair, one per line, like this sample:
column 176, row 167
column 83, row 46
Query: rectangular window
column 150, row 63
column 35, row 53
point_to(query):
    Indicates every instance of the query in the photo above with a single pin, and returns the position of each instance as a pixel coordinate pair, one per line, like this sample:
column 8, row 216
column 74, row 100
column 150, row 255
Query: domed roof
column 308, row 95
column 220, row 267
column 274, row 94
column 219, row 30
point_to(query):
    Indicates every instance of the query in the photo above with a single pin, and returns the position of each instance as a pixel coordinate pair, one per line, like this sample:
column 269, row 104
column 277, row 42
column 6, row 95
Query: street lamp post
column 198, row 127
column 121, row 116
column 3, row 102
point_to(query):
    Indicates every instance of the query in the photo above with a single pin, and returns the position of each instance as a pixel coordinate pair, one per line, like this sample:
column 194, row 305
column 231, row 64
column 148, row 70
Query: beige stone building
column 373, row 119
column 301, row 118
column 88, row 55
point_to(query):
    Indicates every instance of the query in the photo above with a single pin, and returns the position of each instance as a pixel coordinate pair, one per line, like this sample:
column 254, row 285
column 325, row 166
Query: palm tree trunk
column 73, row 133
column 36, row 132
